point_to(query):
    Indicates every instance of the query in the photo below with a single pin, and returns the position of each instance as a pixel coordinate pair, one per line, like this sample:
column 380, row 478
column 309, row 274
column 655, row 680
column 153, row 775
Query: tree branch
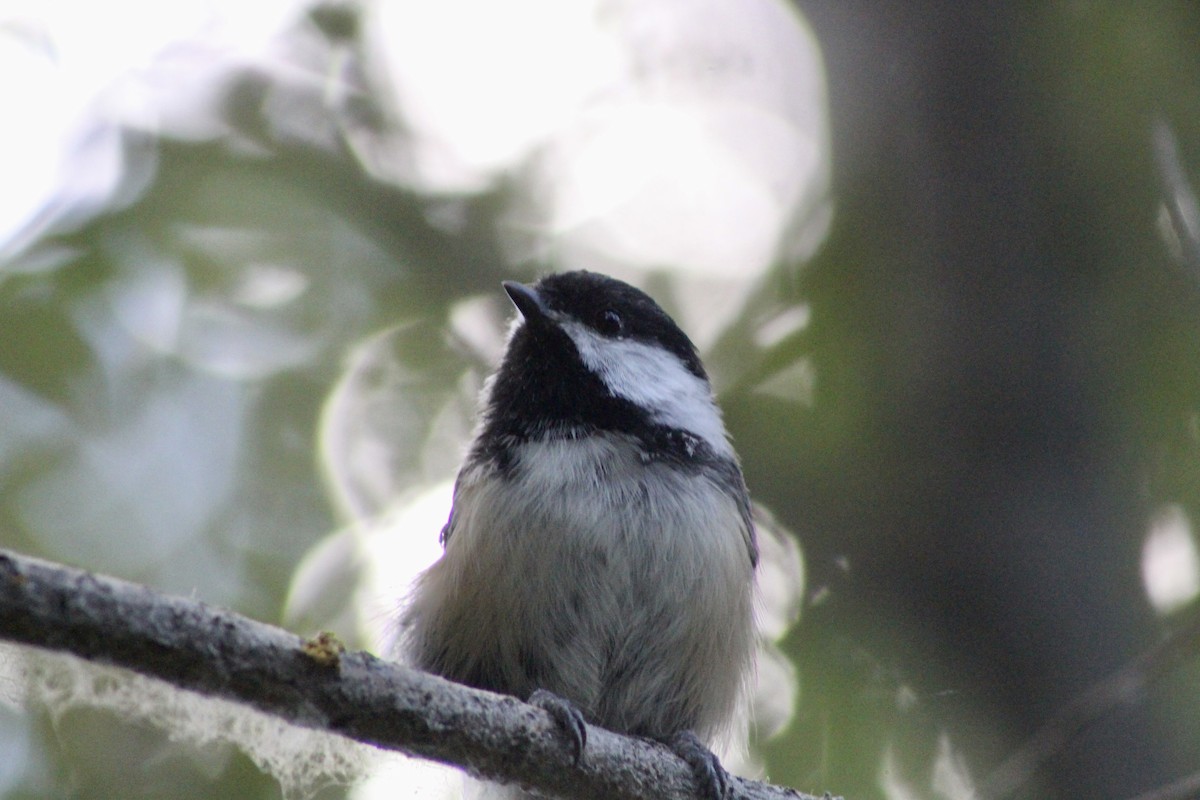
column 1128, row 682
column 215, row 652
column 1186, row 788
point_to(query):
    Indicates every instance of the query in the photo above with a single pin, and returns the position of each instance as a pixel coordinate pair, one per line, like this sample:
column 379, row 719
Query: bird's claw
column 567, row 716
column 712, row 778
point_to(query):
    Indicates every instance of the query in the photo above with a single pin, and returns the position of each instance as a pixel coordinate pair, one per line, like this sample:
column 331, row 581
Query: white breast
column 624, row 586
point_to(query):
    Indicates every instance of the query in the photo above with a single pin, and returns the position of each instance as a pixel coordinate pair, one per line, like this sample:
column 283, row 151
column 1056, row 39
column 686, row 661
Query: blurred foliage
column 1005, row 387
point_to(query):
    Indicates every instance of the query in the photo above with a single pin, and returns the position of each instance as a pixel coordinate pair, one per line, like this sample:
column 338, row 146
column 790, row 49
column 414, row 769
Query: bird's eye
column 609, row 323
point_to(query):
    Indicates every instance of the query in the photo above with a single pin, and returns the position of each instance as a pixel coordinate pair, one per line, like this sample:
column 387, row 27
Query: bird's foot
column 567, row 716
column 711, row 777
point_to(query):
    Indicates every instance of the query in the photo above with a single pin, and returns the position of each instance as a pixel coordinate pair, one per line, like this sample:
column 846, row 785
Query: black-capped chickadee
column 600, row 548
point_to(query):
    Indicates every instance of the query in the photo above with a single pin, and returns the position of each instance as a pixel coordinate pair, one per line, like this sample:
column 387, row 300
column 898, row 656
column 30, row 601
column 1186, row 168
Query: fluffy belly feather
column 605, row 579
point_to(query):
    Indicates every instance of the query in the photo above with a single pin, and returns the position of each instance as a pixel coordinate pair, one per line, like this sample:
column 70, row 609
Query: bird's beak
column 527, row 301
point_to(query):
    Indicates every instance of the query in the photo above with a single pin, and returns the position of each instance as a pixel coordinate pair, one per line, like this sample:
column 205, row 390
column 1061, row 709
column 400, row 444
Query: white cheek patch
column 653, row 379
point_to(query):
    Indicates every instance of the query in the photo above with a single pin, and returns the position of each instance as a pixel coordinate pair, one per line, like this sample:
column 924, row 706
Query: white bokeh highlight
column 661, row 134
column 76, row 78
column 1170, row 563
column 478, row 85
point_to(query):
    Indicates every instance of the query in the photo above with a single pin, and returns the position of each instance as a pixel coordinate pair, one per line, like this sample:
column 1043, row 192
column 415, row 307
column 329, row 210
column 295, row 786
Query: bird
column 599, row 558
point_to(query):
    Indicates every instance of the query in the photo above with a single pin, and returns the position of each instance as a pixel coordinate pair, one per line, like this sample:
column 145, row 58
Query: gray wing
column 728, row 475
